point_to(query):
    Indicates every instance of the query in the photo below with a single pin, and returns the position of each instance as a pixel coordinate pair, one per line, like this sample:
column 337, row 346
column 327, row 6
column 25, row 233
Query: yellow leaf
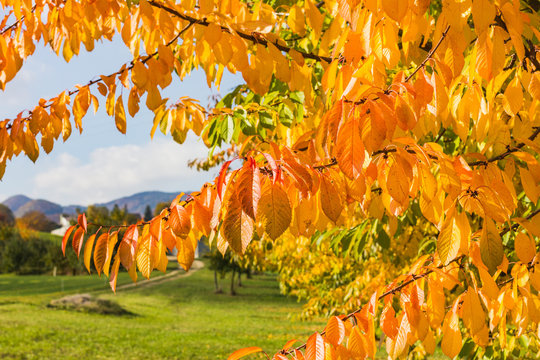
column 395, row 9
column 449, row 240
column 489, row 286
column 451, row 340
column 330, row 199
column 88, row 251
column 139, row 75
column 186, row 252
column 396, row 347
column 145, row 253
column 397, row 184
column 491, row 246
column 243, row 352
column 483, row 12
column 296, row 20
column 513, row 98
column 529, row 185
column 525, row 247
column 534, row 85
column 114, row 273
column 120, row 115
column 111, row 243
column 275, row 210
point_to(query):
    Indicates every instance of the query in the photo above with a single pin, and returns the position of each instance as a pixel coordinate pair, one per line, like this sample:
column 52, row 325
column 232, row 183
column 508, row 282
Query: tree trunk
column 239, row 279
column 232, row 284
column 216, row 283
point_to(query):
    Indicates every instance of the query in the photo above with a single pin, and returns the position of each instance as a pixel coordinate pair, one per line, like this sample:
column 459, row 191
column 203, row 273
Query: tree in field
column 397, row 140
column 36, row 220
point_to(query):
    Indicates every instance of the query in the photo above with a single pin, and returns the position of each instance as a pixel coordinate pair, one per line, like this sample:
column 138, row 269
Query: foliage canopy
column 388, row 155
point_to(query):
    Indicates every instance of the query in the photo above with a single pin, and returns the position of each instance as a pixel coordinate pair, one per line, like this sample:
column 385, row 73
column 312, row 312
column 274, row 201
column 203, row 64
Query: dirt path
column 176, row 274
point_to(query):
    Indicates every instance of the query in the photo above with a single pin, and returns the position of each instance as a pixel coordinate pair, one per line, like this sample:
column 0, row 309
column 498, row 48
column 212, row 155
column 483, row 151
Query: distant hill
column 46, row 207
column 136, row 203
column 15, row 202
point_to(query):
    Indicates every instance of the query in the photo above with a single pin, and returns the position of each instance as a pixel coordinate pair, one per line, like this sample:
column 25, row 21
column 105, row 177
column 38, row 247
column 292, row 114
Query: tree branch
column 124, row 68
column 249, row 37
column 508, row 151
column 414, row 278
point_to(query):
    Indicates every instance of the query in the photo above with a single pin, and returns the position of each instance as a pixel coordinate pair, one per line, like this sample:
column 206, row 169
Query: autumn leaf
column 315, row 347
column 491, row 246
column 244, row 352
column 350, row 152
column 274, row 210
column 248, row 185
column 330, row 199
column 78, row 241
column 100, row 252
column 237, row 226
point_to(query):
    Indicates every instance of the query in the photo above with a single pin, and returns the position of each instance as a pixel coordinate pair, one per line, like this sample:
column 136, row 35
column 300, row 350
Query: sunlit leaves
column 100, row 252
column 274, row 210
column 237, row 225
column 491, row 247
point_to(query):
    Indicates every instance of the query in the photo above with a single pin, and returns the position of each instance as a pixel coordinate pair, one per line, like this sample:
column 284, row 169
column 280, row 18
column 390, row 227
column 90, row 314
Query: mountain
column 16, row 201
column 50, row 209
column 136, row 203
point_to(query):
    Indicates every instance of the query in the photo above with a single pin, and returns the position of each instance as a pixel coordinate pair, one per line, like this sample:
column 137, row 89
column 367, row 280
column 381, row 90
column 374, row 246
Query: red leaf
column 221, row 178
column 82, row 221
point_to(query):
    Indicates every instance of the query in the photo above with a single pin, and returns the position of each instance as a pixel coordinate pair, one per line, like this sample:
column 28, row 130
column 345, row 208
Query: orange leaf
column 114, row 273
column 315, row 347
column 128, row 246
column 77, row 241
column 525, row 247
column 237, row 226
column 248, row 187
column 243, row 352
column 66, row 237
column 100, row 252
column 275, row 210
column 179, row 221
column 330, row 200
column 350, row 152
column 88, row 251
column 288, row 344
column 81, row 219
column 335, row 331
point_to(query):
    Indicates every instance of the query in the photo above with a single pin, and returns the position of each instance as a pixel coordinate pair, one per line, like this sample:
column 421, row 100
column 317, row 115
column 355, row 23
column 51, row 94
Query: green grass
column 177, row 319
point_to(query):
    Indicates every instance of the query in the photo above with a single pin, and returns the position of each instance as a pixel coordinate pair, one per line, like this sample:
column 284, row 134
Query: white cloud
column 117, row 171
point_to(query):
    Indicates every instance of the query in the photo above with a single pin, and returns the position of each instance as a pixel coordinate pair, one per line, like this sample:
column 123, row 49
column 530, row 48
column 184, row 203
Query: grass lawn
column 177, row 319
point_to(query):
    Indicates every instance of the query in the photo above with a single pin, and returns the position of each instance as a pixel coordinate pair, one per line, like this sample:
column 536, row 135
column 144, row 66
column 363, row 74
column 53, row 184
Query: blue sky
column 100, row 164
